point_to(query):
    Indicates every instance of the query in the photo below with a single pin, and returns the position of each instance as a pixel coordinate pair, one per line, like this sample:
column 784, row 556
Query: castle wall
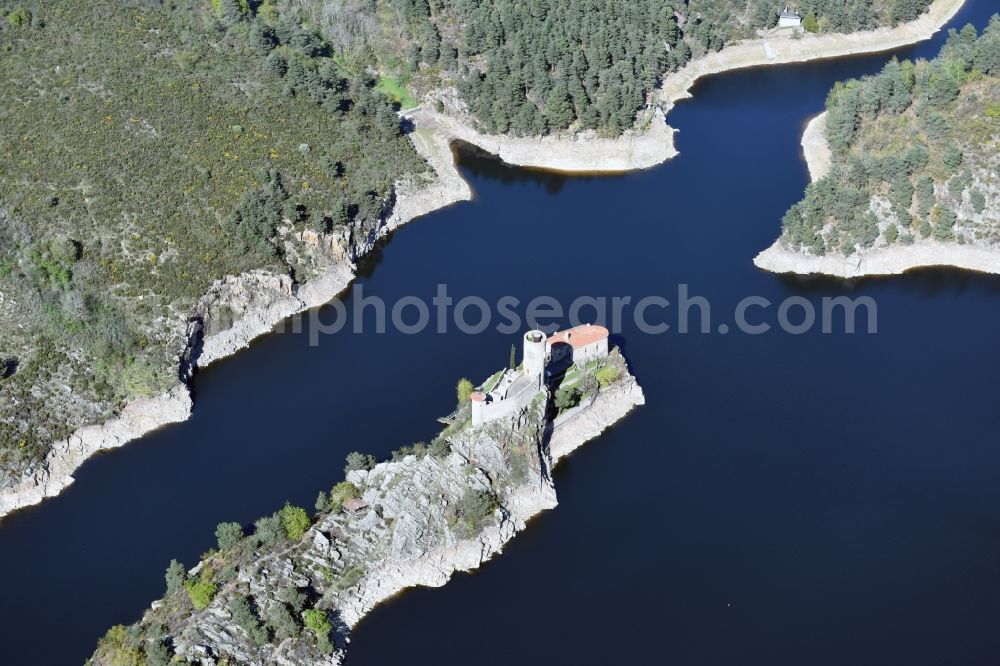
column 583, row 355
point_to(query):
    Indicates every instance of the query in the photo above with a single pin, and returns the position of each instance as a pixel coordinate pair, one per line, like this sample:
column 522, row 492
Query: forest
column 913, row 154
column 147, row 149
column 530, row 68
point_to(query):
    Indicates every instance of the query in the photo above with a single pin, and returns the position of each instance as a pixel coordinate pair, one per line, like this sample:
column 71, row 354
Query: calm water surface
column 814, row 499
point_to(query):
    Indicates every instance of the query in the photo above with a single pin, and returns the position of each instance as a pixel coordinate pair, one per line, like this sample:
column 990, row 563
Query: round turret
column 534, row 353
column 478, row 402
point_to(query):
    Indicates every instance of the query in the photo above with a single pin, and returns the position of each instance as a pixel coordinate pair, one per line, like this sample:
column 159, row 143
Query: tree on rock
column 295, row 520
column 317, row 620
column 464, row 391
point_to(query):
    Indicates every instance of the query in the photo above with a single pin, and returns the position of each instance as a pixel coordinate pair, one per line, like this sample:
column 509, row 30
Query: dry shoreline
column 815, row 149
column 271, row 298
column 643, row 149
column 435, row 569
column 884, row 260
column 893, row 260
column 434, row 134
column 782, row 49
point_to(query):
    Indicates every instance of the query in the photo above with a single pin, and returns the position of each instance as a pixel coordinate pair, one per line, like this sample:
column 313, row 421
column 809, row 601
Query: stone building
column 542, row 357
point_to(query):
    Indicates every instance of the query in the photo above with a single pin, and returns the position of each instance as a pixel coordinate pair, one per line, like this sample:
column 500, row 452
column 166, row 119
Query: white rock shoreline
column 403, row 537
column 437, row 567
column 815, row 149
column 644, row 149
column 273, row 298
column 432, row 138
column 892, row 260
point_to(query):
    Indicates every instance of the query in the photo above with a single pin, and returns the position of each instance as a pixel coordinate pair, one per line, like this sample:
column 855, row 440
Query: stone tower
column 534, row 355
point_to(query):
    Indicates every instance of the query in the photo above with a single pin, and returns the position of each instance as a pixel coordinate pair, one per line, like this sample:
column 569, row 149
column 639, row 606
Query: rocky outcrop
column 54, row 474
column 881, row 259
column 237, row 309
column 590, row 420
column 815, row 149
column 234, row 311
column 580, row 152
column 412, row 524
column 891, row 260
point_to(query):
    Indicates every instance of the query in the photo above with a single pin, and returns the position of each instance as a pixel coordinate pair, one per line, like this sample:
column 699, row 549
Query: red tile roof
column 478, row 396
column 580, row 336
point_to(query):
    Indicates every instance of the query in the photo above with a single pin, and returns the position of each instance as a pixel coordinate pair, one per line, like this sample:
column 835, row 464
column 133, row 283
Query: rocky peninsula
column 968, row 198
column 290, row 592
column 884, row 260
column 239, row 308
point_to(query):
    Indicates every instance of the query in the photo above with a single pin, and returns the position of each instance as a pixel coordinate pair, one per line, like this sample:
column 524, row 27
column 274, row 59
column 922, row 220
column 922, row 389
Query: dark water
column 813, row 499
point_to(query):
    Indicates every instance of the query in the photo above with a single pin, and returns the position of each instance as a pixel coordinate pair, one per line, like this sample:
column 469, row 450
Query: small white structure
column 515, row 389
column 789, row 19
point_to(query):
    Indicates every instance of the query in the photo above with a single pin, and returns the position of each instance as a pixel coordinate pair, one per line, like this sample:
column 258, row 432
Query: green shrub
column 282, row 622
column 567, row 398
column 463, row 391
column 318, row 621
column 245, row 616
column 978, row 200
column 439, row 447
column 269, row 530
column 295, row 521
column 19, row 17
column 340, row 493
column 472, row 510
column 356, row 461
column 120, row 646
column 607, row 375
column 201, row 592
column 228, row 535
column 322, row 504
column 891, row 233
column 175, row 576
column 157, row 653
column 418, row 449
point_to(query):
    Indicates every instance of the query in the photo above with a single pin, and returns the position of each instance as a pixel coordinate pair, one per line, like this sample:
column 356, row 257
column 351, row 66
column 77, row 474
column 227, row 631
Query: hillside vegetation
column 529, row 68
column 915, row 154
column 147, row 149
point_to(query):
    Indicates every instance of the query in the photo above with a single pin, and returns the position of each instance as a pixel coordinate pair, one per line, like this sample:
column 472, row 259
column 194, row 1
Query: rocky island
column 290, row 591
column 904, row 169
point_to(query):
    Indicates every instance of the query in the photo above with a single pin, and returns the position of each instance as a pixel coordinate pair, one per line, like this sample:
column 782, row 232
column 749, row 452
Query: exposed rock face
column 412, row 528
column 891, row 260
column 815, row 148
column 882, row 258
column 55, row 473
column 237, row 309
column 240, row 308
column 582, row 152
